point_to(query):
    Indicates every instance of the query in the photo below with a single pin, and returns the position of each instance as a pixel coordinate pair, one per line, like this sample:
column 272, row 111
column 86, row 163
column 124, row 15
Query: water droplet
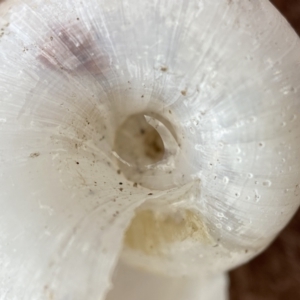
column 267, row 183
column 239, row 124
column 257, row 197
column 219, row 225
column 283, row 124
column 192, row 130
column 250, row 175
column 225, row 179
column 198, row 147
column 239, row 159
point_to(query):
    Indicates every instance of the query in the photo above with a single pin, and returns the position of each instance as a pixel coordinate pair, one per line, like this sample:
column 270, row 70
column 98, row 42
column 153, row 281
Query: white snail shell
column 168, row 129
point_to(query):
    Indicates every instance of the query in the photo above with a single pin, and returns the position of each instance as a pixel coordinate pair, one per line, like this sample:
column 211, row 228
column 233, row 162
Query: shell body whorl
column 155, row 131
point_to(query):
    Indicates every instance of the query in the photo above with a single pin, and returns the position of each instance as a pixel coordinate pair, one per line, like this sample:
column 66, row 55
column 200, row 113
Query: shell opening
column 146, row 148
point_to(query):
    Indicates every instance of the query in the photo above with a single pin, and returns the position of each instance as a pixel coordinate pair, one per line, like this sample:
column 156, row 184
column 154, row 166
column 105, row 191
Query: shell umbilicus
column 163, row 135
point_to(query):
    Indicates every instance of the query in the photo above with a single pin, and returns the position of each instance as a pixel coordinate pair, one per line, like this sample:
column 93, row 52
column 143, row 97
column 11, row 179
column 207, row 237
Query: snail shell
column 161, row 133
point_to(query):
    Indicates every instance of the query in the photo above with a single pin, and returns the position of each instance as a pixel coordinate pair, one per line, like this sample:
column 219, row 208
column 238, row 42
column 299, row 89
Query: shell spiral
column 162, row 134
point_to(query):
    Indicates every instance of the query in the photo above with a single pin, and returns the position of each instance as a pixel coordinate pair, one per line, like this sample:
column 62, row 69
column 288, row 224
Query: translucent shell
column 161, row 135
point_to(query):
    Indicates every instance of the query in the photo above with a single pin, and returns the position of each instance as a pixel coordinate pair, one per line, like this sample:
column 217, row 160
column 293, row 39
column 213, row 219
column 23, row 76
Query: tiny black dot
column 121, row 183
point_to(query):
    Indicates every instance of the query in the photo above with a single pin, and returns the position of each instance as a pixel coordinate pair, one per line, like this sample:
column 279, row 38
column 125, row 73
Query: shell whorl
column 177, row 117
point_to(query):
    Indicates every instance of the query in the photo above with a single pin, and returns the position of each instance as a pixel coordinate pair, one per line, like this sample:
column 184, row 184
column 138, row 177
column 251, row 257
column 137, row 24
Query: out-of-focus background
column 275, row 274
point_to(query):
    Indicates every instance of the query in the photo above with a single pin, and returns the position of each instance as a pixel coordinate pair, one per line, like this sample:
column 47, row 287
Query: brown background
column 275, row 274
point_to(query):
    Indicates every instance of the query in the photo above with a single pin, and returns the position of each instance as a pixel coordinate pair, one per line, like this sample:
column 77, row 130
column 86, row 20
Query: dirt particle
column 77, row 162
column 183, row 93
column 48, row 292
column 51, row 38
column 135, row 184
column 119, row 171
column 142, row 131
column 121, row 189
column 164, row 69
column 150, row 194
column 142, row 96
column 120, row 183
column 78, row 19
column 35, row 154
